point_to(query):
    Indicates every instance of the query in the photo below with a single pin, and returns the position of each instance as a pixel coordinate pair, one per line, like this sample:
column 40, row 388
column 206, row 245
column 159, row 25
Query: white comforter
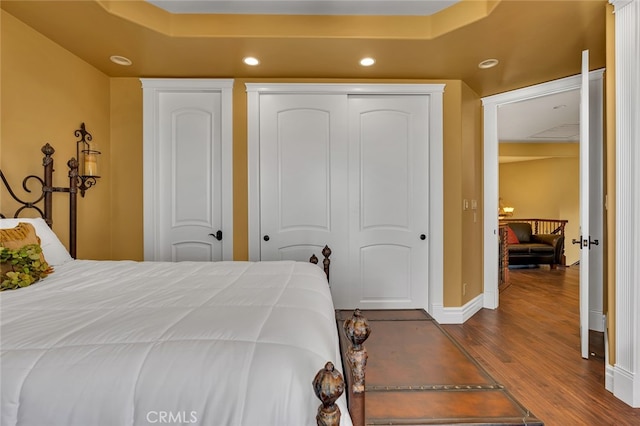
column 128, row 343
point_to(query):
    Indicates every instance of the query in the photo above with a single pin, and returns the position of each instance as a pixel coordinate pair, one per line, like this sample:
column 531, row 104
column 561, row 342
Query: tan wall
column 546, row 188
column 452, row 156
column 126, row 167
column 46, row 94
column 463, row 259
column 110, row 216
column 472, row 191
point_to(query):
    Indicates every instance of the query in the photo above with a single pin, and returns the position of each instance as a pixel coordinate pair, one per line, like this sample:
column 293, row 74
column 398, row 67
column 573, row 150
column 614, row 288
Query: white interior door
column 596, row 205
column 313, row 176
column 187, row 169
column 190, row 204
column 303, row 180
column 591, row 206
column 585, row 236
column 388, row 200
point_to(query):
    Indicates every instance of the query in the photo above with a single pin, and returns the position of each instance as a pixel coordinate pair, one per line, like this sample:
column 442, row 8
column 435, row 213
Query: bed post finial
column 357, row 331
column 328, row 386
column 73, row 205
column 47, row 150
column 326, row 252
column 47, row 163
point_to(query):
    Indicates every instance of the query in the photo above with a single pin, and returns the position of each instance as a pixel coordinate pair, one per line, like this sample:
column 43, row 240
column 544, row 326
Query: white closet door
column 303, row 178
column 350, row 171
column 388, row 190
column 190, row 203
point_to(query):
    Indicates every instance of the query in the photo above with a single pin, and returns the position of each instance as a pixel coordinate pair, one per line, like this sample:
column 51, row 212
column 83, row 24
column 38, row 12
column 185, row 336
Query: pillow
column 53, row 250
column 21, row 235
column 512, row 238
column 21, row 260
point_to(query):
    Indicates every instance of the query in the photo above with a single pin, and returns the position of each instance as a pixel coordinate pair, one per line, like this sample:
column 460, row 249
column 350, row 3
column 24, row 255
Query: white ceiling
column 306, row 7
column 552, row 118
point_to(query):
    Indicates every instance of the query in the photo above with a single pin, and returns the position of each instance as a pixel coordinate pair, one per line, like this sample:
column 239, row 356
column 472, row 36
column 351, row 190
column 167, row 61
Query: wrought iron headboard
column 46, row 192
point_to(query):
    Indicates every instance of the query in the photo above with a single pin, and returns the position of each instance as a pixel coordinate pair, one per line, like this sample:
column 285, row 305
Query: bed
column 134, row 343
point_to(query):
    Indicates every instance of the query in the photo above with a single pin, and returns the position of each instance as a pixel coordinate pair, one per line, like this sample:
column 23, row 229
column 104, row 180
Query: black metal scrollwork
column 25, row 204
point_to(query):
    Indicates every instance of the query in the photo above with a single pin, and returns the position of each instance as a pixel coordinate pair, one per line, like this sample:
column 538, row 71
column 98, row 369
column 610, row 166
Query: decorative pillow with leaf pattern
column 21, row 260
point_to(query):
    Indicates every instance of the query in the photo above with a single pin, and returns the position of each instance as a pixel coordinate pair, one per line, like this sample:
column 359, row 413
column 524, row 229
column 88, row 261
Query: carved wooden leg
column 357, row 331
column 328, row 386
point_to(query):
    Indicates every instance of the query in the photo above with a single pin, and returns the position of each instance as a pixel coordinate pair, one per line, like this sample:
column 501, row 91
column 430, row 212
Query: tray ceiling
column 306, row 7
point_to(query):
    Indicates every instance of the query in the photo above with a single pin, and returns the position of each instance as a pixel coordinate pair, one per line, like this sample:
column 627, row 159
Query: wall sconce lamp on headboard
column 87, row 160
column 83, row 173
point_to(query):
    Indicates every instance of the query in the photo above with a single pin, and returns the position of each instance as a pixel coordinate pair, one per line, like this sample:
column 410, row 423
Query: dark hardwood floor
column 531, row 345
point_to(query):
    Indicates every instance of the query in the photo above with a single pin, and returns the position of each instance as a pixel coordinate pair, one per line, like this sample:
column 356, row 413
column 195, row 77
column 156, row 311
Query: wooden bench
column 417, row 374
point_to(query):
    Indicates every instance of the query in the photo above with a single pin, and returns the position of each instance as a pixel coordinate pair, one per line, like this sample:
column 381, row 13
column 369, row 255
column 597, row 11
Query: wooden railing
column 503, row 259
column 542, row 226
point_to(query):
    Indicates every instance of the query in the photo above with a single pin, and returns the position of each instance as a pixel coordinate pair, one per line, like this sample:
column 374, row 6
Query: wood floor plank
column 531, row 345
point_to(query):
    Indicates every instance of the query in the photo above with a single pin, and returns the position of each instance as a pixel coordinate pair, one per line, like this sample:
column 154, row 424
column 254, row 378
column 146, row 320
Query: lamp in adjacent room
column 88, row 157
column 508, row 211
column 504, row 211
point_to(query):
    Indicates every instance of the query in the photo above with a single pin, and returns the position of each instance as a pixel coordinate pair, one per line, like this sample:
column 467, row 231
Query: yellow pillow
column 22, row 236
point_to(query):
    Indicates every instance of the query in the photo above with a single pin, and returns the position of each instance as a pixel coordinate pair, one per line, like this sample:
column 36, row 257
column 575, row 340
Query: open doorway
column 539, row 159
column 553, row 91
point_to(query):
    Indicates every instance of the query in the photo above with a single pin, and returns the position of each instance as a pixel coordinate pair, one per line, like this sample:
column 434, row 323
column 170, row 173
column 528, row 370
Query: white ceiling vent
column 570, row 132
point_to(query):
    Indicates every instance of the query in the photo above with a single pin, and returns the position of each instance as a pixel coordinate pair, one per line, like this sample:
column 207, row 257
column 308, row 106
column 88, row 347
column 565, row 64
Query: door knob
column 423, row 237
column 266, row 238
column 217, row 235
column 586, row 243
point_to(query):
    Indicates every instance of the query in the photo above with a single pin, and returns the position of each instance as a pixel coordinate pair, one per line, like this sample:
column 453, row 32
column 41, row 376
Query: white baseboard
column 457, row 315
column 623, row 387
column 490, row 299
column 608, row 377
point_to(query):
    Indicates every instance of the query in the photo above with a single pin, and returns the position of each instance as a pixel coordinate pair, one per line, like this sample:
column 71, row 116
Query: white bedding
column 138, row 343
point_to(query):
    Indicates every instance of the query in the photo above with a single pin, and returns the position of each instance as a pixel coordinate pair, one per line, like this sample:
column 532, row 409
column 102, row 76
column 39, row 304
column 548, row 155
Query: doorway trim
column 152, row 88
column 625, row 373
column 436, row 189
column 491, row 104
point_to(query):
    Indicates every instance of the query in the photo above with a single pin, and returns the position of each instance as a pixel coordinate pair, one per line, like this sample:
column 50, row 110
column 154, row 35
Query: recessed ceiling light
column 488, row 63
column 120, row 60
column 250, row 60
column 367, row 62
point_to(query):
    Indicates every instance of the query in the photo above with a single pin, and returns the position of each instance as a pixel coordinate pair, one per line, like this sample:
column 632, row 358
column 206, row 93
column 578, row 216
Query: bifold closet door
column 303, row 177
column 388, row 200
